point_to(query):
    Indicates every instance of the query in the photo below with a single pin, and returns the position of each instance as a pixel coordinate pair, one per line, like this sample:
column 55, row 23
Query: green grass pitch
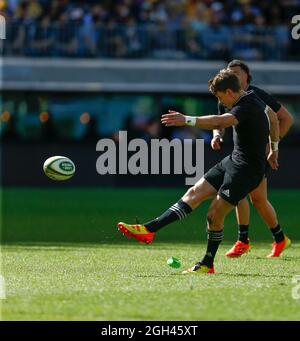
column 63, row 259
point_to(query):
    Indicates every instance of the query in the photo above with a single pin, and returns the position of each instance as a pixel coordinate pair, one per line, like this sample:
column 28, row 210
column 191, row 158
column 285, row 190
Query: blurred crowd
column 31, row 117
column 50, row 117
column 176, row 29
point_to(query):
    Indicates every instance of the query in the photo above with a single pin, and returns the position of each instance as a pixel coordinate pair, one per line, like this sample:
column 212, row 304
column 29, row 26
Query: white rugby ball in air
column 59, row 168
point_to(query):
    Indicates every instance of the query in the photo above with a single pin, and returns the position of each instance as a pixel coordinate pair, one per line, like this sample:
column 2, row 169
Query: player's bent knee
column 190, row 194
column 194, row 195
column 258, row 201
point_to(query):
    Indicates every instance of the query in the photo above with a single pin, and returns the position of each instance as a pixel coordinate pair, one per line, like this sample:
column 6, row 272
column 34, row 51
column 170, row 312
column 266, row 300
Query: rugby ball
column 59, row 168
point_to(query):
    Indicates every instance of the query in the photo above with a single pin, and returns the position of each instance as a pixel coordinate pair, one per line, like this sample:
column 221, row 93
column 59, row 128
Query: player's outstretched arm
column 210, row 122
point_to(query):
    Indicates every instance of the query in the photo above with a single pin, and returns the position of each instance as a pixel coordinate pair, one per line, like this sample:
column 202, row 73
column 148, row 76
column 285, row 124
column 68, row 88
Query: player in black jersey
column 230, row 180
column 259, row 196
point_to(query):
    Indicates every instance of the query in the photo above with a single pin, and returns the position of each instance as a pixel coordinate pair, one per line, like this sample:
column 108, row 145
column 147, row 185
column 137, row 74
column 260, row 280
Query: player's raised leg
column 259, row 198
column 144, row 233
column 217, row 212
column 242, row 245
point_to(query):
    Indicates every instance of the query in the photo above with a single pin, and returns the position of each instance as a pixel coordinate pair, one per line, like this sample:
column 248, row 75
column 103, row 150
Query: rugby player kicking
column 232, row 179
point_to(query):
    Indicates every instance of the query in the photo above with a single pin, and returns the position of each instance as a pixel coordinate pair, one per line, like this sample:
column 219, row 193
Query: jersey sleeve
column 238, row 112
column 221, row 108
column 268, row 99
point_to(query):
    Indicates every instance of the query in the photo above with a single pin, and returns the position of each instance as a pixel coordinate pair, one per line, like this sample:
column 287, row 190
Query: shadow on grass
column 252, row 275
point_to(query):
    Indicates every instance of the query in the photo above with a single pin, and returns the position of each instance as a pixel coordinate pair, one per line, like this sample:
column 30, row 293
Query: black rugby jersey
column 264, row 96
column 250, row 135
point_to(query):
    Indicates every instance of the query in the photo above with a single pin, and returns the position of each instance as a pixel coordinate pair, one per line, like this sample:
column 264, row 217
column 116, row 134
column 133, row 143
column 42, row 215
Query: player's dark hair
column 224, row 80
column 243, row 66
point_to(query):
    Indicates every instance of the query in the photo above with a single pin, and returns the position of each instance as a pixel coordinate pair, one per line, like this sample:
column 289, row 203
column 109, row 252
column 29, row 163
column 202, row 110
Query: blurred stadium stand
column 173, row 29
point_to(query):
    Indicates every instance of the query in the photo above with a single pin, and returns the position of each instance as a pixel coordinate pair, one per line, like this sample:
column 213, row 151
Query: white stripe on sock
column 179, row 216
column 178, row 210
column 181, row 210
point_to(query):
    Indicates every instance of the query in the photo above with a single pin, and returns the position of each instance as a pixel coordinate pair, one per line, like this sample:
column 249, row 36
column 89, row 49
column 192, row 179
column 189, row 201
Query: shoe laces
column 137, row 227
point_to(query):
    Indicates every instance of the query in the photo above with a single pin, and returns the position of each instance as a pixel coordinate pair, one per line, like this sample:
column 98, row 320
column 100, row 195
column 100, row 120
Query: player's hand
column 273, row 159
column 216, row 142
column 173, row 118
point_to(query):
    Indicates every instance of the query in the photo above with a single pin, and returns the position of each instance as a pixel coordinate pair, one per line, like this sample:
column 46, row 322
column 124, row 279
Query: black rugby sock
column 176, row 212
column 243, row 233
column 278, row 234
column 214, row 239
